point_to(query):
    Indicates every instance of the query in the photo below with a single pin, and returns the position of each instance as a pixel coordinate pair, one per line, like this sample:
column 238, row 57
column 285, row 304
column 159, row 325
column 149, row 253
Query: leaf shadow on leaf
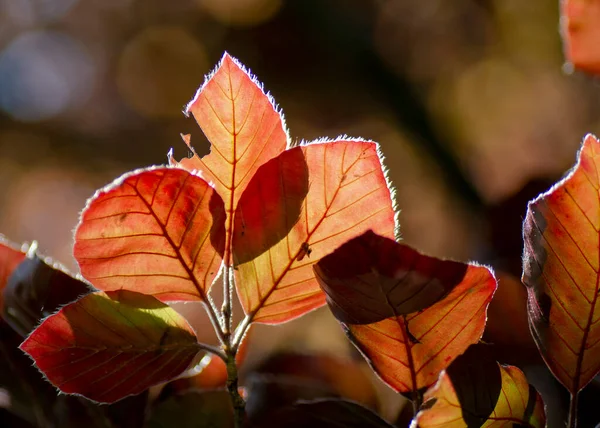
column 477, row 383
column 108, row 346
column 371, row 278
column 270, row 205
column 35, row 289
column 217, row 230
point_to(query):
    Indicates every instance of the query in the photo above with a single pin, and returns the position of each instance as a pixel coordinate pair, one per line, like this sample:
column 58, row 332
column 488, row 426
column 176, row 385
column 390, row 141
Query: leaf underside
column 107, row 346
column 560, row 270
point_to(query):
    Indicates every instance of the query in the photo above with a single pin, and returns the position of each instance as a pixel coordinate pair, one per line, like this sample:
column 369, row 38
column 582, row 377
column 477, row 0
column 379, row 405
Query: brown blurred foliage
column 467, row 99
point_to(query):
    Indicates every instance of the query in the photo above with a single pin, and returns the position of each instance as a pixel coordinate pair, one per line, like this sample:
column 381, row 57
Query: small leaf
column 10, row 257
column 408, row 351
column 347, row 195
column 244, row 130
column 475, row 391
column 371, row 278
column 581, row 33
column 560, row 270
column 193, row 409
column 159, row 231
column 325, row 413
column 36, row 289
column 107, row 346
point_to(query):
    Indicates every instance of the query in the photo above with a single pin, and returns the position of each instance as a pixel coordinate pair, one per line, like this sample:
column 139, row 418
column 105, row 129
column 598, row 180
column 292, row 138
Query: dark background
column 468, row 99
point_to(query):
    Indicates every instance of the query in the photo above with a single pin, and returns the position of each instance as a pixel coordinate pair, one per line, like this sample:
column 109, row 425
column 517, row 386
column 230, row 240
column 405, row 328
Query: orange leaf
column 244, row 129
column 108, row 346
column 580, row 26
column 159, row 231
column 282, row 227
column 371, row 278
column 560, row 270
column 408, row 351
column 481, row 393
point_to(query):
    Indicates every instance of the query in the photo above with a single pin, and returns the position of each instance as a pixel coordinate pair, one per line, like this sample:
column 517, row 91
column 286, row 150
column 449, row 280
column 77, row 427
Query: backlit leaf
column 371, row 278
column 244, row 130
column 580, row 28
column 159, row 231
column 107, row 346
column 478, row 392
column 560, row 270
column 283, row 227
column 407, row 350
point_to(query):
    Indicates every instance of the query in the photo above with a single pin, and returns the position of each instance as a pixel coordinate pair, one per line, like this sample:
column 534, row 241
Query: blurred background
column 468, row 100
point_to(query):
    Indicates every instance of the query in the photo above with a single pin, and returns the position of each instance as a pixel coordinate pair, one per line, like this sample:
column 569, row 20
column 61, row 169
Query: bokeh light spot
column 42, row 74
column 243, row 13
column 160, row 70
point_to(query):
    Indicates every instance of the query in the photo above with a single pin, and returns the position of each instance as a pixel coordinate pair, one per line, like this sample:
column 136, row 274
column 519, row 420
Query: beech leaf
column 36, row 289
column 159, row 231
column 371, row 278
column 243, row 127
column 106, row 346
column 407, row 350
column 476, row 391
column 10, row 257
column 346, row 194
column 561, row 271
column 581, row 33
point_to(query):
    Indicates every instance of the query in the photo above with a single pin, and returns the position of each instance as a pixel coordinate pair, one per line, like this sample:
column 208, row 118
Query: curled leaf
column 561, row 271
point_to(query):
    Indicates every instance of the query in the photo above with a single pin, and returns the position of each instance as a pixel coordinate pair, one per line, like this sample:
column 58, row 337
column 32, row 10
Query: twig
column 572, row 423
column 238, row 403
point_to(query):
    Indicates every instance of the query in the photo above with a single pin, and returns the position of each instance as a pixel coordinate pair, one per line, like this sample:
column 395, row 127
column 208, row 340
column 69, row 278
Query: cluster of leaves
column 292, row 227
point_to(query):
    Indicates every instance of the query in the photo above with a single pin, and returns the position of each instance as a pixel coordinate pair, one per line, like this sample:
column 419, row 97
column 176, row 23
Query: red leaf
column 244, row 129
column 408, row 351
column 10, row 257
column 580, row 27
column 159, row 231
column 560, row 269
column 107, row 346
column 283, row 227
